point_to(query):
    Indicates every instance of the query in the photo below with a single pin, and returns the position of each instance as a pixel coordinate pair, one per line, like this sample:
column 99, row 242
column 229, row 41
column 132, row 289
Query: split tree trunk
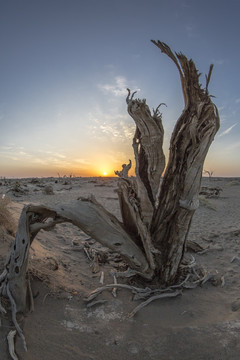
column 156, row 218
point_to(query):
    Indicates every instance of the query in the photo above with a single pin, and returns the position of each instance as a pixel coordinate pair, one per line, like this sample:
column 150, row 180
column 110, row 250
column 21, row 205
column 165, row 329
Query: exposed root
column 11, row 348
column 114, row 291
column 149, row 295
column 30, row 295
column 102, row 278
column 3, row 275
column 14, row 319
column 99, row 290
column 152, row 298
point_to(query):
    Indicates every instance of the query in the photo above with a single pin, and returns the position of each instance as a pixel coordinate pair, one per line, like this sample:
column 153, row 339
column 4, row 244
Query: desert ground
column 66, row 265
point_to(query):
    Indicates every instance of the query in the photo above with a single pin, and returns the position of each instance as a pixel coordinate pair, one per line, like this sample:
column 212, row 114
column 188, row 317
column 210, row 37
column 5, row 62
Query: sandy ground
column 203, row 323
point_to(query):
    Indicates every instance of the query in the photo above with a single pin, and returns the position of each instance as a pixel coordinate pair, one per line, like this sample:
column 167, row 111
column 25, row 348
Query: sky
column 65, row 66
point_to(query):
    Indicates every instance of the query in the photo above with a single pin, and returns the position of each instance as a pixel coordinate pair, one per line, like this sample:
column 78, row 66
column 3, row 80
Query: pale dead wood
column 125, row 169
column 140, row 293
column 156, row 216
column 99, row 290
column 88, row 215
column 191, row 138
column 102, row 278
column 11, row 347
column 155, row 297
column 114, row 291
column 148, row 152
column 133, row 219
column 14, row 318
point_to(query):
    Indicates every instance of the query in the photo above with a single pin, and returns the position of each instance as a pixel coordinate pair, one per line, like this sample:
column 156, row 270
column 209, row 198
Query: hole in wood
column 23, row 241
column 117, row 244
column 16, row 269
column 14, row 247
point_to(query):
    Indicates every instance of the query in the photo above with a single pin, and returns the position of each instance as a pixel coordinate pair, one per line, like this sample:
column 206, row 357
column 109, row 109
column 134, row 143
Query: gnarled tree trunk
column 191, row 138
column 156, row 218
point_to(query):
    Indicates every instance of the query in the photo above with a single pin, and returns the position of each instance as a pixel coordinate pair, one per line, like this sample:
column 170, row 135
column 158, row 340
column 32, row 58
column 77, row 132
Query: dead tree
column 156, row 214
column 125, row 169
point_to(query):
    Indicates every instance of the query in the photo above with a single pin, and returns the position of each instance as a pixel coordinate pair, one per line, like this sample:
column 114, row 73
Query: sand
column 203, row 323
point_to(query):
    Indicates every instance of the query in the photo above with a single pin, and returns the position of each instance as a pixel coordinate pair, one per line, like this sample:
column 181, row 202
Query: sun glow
column 104, row 173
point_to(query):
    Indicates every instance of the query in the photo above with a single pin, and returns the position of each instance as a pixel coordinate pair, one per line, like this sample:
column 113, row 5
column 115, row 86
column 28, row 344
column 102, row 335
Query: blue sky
column 65, row 66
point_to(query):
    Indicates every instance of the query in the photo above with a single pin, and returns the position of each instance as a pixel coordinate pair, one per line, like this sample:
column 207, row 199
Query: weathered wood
column 11, row 347
column 190, row 141
column 89, row 216
column 133, row 221
column 148, row 152
column 125, row 169
column 156, row 218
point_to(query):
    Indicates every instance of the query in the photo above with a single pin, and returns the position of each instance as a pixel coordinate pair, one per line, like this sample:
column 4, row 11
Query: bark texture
column 191, row 139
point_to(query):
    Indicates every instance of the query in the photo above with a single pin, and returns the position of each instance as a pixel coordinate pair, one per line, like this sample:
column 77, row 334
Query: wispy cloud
column 35, row 157
column 53, row 154
column 227, row 131
column 113, row 126
column 118, row 88
column 82, row 161
column 118, row 132
column 13, row 152
column 237, row 101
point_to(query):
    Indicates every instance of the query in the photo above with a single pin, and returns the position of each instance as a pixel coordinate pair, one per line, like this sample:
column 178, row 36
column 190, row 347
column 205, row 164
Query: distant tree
column 209, row 173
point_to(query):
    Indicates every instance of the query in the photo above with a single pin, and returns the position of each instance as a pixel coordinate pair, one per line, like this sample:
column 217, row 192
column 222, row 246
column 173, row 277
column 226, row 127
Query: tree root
column 152, row 298
column 14, row 318
column 11, row 348
column 99, row 290
column 149, row 295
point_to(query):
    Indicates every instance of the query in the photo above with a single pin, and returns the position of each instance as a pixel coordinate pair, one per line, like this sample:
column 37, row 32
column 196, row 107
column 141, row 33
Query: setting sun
column 105, row 173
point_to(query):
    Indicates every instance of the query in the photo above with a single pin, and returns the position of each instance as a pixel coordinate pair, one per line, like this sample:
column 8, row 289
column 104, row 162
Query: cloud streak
column 227, row 131
column 118, row 88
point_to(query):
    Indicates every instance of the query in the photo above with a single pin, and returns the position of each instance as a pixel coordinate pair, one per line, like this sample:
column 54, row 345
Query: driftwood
column 156, row 212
